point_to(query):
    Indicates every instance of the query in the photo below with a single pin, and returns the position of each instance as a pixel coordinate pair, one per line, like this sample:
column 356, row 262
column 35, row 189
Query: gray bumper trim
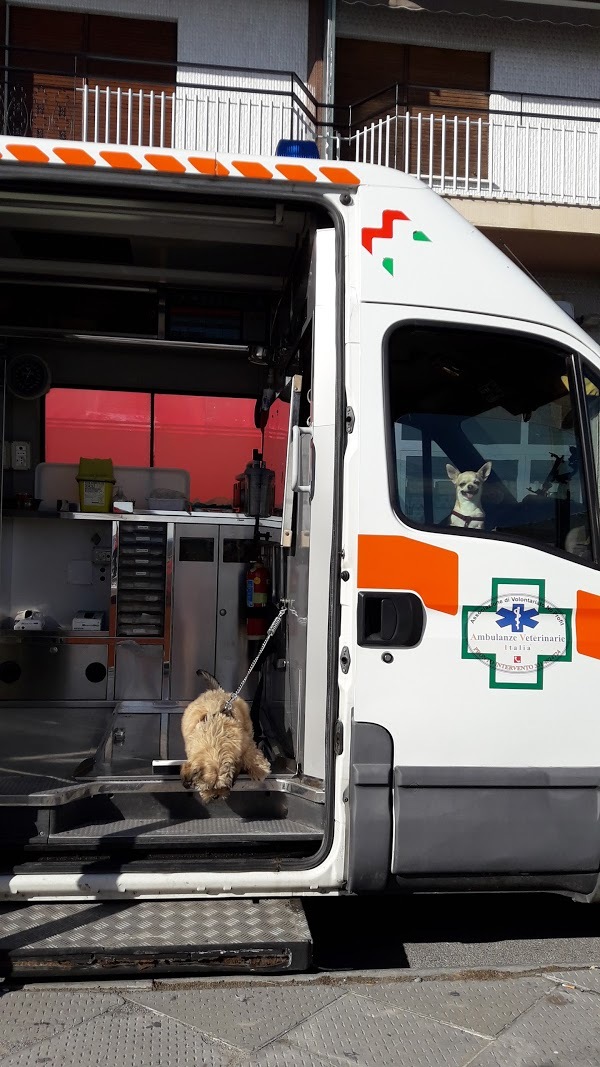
column 497, row 777
column 495, row 821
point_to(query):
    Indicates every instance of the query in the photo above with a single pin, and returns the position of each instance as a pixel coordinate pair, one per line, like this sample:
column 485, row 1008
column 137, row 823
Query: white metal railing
column 501, row 156
column 220, row 111
column 507, row 153
column 194, row 119
column 126, row 116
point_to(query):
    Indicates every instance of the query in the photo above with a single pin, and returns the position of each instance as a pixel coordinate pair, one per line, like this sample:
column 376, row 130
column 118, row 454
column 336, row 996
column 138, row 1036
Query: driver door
column 477, row 649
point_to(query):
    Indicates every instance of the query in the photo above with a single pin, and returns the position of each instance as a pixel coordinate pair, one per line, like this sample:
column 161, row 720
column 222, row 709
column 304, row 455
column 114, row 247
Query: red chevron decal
column 386, row 230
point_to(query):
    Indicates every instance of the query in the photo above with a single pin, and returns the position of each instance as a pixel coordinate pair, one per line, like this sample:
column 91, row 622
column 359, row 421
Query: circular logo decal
column 518, row 633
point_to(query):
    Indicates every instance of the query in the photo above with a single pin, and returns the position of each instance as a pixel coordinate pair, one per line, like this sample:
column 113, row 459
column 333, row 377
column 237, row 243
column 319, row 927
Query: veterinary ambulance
column 401, row 576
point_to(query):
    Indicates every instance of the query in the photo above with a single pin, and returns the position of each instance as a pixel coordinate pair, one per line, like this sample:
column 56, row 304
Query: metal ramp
column 153, row 937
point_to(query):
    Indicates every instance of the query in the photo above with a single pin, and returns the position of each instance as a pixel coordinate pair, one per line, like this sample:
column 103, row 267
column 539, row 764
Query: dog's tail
column 209, row 680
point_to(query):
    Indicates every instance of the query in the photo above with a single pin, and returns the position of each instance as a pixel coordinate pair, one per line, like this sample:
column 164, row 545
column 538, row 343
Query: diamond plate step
column 154, row 937
column 215, row 831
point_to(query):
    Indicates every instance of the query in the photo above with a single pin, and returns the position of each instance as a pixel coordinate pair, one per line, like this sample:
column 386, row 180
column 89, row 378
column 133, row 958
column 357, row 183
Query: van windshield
column 484, row 436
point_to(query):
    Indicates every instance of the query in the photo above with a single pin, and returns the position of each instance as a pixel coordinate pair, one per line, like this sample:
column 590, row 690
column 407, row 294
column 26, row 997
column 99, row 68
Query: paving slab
column 360, row 1031
column 483, row 1007
column 283, row 1054
column 377, row 1022
column 124, row 1038
column 248, row 1017
column 585, row 979
column 560, row 1030
column 27, row 1018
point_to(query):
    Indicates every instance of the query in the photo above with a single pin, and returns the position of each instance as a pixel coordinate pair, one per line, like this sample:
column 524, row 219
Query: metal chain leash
column 272, row 629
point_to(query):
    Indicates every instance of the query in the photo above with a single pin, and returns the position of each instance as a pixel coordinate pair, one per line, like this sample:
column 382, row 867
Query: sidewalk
column 370, row 1020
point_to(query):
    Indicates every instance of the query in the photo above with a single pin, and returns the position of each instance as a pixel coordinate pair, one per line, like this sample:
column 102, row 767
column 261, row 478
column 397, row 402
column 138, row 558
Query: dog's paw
column 186, row 775
column 226, row 778
column 258, row 767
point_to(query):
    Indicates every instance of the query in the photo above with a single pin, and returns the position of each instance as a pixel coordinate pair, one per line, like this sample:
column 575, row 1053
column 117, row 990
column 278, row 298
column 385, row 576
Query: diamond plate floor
column 147, row 832
column 21, row 785
column 47, row 740
column 312, row 1021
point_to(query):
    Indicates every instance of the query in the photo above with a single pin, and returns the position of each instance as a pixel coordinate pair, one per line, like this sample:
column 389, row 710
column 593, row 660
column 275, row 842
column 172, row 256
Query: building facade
column 495, row 104
column 498, row 108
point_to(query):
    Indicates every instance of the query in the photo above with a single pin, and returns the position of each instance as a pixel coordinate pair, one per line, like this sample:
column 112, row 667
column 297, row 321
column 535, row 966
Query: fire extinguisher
column 258, row 581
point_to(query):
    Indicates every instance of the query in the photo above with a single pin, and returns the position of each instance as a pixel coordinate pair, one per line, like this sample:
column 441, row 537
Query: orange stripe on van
column 394, row 562
column 76, row 157
column 208, row 165
column 295, row 173
column 165, row 163
column 252, row 170
column 587, row 624
column 340, row 175
column 28, row 153
column 121, row 160
column 203, row 165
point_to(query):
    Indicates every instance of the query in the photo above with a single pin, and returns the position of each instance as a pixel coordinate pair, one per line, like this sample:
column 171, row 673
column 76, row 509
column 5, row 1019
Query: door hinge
column 338, row 737
column 345, row 659
column 349, row 419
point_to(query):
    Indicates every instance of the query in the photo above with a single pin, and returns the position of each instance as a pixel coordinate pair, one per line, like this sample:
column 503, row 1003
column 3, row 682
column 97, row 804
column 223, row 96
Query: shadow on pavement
column 357, row 933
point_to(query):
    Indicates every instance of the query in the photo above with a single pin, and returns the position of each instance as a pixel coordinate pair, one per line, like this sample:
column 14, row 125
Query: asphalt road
column 455, row 932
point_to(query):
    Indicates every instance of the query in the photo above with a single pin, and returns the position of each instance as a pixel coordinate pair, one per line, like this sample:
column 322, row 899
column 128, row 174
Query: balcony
column 518, row 147
column 534, row 149
column 194, row 108
column 532, row 158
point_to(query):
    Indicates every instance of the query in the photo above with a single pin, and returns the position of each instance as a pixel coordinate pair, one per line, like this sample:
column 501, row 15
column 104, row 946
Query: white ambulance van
column 426, row 697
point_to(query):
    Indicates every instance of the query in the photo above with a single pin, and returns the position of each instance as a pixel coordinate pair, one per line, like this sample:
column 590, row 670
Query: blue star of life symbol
column 517, row 617
column 517, row 633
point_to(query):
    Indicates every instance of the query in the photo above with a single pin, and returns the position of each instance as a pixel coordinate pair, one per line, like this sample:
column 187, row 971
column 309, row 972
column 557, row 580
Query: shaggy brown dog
column 218, row 744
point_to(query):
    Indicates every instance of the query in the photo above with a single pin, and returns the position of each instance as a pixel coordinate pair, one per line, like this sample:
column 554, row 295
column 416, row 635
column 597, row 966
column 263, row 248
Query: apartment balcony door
column 376, row 79
column 89, row 77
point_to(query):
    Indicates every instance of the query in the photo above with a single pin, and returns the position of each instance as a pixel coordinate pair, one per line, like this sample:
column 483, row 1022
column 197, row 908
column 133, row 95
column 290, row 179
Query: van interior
column 165, row 343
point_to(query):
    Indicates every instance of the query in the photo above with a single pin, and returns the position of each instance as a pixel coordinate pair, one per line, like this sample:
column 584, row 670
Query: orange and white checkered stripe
column 78, row 154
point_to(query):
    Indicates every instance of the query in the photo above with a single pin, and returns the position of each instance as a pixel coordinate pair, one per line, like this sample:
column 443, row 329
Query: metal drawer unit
column 142, row 576
column 194, row 606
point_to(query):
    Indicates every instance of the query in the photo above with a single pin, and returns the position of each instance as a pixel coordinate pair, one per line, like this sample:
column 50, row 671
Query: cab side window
column 484, row 437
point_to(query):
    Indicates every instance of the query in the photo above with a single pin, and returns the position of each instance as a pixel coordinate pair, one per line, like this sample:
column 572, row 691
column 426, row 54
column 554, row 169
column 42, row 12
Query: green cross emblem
column 517, row 633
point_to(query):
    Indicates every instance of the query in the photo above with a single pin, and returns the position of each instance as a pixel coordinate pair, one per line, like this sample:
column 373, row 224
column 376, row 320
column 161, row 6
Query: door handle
column 298, row 432
column 390, row 620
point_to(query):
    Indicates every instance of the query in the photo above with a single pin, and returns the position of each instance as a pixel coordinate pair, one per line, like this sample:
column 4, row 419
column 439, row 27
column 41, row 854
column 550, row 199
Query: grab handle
column 297, row 433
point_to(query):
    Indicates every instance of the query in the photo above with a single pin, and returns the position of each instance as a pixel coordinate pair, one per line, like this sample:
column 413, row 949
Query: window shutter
column 51, row 58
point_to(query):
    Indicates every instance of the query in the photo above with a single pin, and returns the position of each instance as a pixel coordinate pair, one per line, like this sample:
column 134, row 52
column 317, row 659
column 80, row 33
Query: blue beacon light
column 298, row 149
